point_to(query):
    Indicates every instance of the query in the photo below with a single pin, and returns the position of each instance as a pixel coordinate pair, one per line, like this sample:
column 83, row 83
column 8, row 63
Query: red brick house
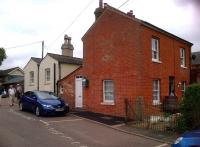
column 126, row 58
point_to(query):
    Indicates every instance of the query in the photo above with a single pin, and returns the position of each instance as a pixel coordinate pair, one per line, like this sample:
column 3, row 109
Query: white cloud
column 26, row 21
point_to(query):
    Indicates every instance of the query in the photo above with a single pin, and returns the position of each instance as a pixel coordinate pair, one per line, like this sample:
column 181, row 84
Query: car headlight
column 47, row 106
column 178, row 140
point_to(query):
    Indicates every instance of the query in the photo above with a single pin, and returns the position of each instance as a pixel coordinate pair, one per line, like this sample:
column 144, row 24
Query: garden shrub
column 190, row 109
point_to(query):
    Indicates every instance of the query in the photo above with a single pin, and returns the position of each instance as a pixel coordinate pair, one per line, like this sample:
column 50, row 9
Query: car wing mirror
column 34, row 97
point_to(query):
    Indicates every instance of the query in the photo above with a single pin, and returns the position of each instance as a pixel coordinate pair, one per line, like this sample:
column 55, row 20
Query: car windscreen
column 46, row 95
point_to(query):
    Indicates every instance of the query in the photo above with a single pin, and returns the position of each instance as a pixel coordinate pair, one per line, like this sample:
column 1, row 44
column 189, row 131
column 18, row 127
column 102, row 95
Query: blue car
column 43, row 103
column 188, row 139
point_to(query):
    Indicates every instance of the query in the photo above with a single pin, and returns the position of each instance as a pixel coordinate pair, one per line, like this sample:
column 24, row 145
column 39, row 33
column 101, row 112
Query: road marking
column 59, row 121
column 162, row 145
column 52, row 130
column 75, row 142
column 44, row 122
column 21, row 115
column 68, row 138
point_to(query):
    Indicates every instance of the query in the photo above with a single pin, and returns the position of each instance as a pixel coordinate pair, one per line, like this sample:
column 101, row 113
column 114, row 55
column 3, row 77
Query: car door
column 25, row 100
column 32, row 101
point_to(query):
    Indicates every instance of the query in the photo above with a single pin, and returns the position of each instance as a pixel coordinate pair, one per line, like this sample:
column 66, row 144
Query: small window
column 155, row 49
column 156, row 92
column 61, row 89
column 31, row 77
column 47, row 74
column 183, row 87
column 108, row 91
column 182, row 57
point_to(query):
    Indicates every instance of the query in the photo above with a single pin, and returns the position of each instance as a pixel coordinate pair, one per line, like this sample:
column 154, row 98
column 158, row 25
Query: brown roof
column 66, row 59
column 37, row 60
column 6, row 71
column 147, row 24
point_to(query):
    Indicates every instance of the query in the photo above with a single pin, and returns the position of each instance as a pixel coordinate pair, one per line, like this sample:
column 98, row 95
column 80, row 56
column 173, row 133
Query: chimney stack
column 99, row 10
column 67, row 48
column 100, row 3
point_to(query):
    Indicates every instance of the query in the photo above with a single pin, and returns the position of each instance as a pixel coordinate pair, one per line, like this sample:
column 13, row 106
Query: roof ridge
column 64, row 55
column 142, row 22
column 36, row 58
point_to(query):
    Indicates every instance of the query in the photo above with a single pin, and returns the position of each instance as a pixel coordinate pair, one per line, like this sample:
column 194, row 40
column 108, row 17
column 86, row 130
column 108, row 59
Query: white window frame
column 183, row 87
column 47, row 74
column 155, row 49
column 31, row 77
column 182, row 57
column 105, row 100
column 157, row 100
column 61, row 89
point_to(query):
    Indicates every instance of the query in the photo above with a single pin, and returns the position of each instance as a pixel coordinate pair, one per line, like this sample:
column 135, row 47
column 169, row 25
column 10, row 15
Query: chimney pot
column 105, row 4
column 130, row 13
column 100, row 3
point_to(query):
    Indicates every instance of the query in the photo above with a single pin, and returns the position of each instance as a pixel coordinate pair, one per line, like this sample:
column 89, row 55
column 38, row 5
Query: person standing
column 1, row 92
column 19, row 91
column 11, row 93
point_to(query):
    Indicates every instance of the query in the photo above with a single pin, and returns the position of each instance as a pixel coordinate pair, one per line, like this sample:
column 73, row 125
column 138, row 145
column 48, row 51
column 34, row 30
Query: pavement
column 120, row 124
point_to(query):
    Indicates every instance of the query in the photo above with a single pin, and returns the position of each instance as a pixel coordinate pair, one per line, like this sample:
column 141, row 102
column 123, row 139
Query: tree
column 2, row 55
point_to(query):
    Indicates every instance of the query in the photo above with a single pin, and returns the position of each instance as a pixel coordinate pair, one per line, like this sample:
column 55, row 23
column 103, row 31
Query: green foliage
column 2, row 55
column 190, row 109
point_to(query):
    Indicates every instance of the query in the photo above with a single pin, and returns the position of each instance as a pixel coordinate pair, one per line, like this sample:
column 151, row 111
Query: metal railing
column 145, row 115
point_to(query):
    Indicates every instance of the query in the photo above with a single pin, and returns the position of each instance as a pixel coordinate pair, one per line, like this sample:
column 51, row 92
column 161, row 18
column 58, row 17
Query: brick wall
column 68, row 84
column 119, row 49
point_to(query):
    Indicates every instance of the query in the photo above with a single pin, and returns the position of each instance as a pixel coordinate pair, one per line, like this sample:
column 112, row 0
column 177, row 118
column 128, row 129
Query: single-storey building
column 11, row 76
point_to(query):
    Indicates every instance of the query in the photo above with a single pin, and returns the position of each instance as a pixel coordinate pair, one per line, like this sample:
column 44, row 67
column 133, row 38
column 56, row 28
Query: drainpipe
column 38, row 65
column 54, row 77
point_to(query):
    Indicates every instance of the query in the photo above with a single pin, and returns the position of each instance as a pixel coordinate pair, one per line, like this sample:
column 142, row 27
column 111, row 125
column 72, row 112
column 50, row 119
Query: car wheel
column 37, row 111
column 21, row 106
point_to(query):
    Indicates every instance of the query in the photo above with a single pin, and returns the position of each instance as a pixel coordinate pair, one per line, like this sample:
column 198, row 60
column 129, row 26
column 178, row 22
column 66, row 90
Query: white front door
column 78, row 92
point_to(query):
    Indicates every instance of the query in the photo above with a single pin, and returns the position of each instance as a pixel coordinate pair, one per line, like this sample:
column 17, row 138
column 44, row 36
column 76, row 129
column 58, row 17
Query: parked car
column 43, row 103
column 188, row 139
column 4, row 95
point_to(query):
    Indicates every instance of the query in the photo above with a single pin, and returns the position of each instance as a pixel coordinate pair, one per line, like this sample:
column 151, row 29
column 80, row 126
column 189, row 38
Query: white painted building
column 31, row 74
column 44, row 75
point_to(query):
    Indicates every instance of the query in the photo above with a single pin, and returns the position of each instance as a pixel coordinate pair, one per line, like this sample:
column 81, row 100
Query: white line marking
column 75, row 142
column 44, row 122
column 162, row 145
column 59, row 121
column 68, row 138
column 21, row 115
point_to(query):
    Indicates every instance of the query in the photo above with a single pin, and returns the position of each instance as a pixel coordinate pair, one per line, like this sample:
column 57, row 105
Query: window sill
column 184, row 67
column 108, row 103
column 156, row 61
column 156, row 103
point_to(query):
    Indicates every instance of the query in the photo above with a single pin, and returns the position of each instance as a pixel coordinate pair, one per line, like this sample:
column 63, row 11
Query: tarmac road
column 24, row 129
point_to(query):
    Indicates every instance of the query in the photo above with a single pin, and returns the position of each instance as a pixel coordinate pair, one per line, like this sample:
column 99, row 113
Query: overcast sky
column 31, row 21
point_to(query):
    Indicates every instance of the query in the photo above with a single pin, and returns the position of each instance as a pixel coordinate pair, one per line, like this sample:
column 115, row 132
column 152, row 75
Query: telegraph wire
column 23, row 45
column 68, row 27
column 123, row 4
